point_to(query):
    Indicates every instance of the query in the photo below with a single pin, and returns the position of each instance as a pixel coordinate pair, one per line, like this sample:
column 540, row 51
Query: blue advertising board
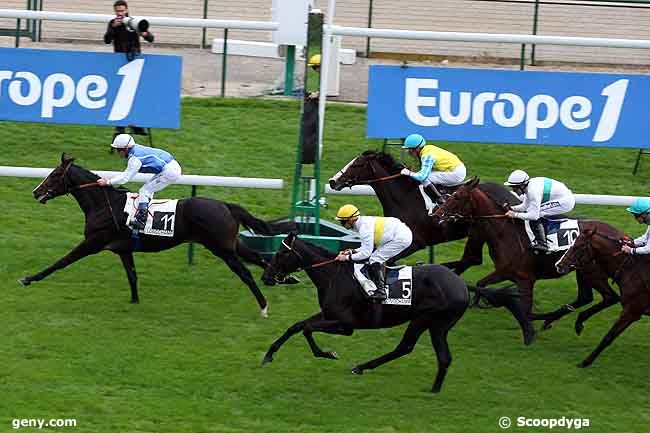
column 525, row 107
column 89, row 88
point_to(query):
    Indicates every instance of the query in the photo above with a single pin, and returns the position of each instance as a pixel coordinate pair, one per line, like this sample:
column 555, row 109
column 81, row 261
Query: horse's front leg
column 129, row 267
column 315, row 323
column 472, row 255
column 82, row 250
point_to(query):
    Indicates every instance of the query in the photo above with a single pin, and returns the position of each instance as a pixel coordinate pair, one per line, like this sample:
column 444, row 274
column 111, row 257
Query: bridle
column 356, row 181
column 278, row 277
column 68, row 188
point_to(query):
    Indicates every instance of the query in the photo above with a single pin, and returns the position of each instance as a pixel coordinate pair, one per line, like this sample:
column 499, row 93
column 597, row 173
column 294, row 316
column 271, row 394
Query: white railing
column 158, row 21
column 590, row 199
column 186, row 179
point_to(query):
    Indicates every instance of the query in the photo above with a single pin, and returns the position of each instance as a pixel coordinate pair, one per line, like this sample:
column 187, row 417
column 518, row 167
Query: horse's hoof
column 24, row 281
column 357, row 370
column 547, row 325
column 529, row 337
column 264, row 312
column 331, row 355
column 290, row 279
column 267, row 358
column 583, row 364
column 579, row 327
column 135, row 301
column 435, row 390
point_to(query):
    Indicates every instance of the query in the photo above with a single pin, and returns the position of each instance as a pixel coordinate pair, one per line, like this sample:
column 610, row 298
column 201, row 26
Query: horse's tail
column 257, row 225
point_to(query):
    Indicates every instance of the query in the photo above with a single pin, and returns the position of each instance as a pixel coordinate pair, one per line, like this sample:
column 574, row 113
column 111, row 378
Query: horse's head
column 459, row 204
column 370, row 165
column 285, row 261
column 56, row 183
column 579, row 255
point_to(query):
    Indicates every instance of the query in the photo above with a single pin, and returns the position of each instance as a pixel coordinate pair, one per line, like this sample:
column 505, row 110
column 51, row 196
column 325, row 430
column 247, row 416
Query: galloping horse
column 215, row 224
column 440, row 298
column 400, row 197
column 508, row 246
column 631, row 274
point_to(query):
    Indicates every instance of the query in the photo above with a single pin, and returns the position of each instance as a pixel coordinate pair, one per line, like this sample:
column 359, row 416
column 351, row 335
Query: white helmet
column 123, row 141
column 517, row 178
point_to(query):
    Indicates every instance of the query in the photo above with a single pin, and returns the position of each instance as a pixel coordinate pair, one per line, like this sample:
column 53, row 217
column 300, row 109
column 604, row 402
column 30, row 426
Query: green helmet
column 640, row 206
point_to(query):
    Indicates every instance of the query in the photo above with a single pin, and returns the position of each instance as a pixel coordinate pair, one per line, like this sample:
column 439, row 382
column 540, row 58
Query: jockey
column 381, row 240
column 143, row 159
column 641, row 211
column 437, row 166
column 542, row 197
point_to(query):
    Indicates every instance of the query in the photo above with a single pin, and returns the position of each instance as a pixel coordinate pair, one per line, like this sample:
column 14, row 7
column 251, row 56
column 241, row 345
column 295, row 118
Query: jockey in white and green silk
column 641, row 211
column 437, row 166
column 143, row 159
column 542, row 197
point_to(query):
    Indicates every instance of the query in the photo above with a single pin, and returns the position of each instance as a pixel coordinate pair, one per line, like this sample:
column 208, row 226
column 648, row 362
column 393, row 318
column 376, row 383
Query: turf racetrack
column 187, row 359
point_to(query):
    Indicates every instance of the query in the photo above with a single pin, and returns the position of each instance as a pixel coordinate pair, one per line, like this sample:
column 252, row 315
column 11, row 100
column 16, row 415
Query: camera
column 139, row 25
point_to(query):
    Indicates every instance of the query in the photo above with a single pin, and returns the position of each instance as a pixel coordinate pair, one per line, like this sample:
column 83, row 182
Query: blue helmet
column 414, row 141
column 640, row 206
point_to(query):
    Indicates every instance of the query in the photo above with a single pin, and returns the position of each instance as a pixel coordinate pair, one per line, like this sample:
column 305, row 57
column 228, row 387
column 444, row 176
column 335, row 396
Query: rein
column 91, row 185
column 380, row 179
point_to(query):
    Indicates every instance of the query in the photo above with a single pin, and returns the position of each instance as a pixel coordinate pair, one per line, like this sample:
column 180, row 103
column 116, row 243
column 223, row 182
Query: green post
column 190, row 248
column 223, row 63
column 431, row 255
column 369, row 26
column 289, row 69
column 535, row 18
column 17, row 44
column 205, row 15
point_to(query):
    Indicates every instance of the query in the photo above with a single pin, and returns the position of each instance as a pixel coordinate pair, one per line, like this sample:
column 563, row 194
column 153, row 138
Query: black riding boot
column 139, row 220
column 376, row 274
column 540, row 236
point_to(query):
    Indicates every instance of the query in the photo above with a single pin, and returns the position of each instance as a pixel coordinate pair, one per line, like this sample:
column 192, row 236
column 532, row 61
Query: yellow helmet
column 314, row 60
column 348, row 212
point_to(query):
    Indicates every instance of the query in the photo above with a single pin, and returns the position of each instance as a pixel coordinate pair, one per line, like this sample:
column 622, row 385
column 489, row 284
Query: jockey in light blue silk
column 143, row 159
column 641, row 211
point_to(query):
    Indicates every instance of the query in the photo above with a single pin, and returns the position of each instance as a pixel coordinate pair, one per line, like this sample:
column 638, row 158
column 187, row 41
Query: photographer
column 125, row 40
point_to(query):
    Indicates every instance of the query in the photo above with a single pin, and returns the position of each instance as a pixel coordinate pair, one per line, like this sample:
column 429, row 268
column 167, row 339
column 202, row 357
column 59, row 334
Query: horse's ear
column 474, row 182
column 65, row 158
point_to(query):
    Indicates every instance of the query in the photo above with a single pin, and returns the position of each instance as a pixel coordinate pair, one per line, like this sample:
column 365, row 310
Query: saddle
column 399, row 284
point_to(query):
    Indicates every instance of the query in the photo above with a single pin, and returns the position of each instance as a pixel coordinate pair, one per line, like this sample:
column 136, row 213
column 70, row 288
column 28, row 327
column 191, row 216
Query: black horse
column 213, row 223
column 400, row 197
column 440, row 298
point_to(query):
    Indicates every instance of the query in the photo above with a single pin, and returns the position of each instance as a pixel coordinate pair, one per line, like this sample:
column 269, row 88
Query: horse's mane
column 498, row 194
column 386, row 160
column 88, row 176
column 319, row 250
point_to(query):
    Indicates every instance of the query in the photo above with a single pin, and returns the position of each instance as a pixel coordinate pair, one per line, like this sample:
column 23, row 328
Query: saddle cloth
column 560, row 233
column 161, row 217
column 399, row 281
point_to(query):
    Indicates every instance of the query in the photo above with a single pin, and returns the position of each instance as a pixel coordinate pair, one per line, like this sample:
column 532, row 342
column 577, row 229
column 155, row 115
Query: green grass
column 187, row 358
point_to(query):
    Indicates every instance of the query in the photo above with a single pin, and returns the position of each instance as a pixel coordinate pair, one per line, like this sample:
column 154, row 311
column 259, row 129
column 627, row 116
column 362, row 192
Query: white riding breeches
column 168, row 175
column 392, row 248
column 556, row 207
column 447, row 178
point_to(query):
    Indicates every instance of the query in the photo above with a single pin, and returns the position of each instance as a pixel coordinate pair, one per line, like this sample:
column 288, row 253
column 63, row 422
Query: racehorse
column 400, row 197
column 212, row 223
column 440, row 298
column 631, row 273
column 508, row 246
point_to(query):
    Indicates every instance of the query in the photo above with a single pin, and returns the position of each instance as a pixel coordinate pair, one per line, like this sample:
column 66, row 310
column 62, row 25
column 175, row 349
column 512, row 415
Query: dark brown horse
column 401, row 198
column 602, row 245
column 212, row 223
column 440, row 299
column 508, row 245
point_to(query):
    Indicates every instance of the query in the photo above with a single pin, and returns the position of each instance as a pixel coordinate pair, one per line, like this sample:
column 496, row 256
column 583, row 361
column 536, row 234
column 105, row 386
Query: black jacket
column 123, row 40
